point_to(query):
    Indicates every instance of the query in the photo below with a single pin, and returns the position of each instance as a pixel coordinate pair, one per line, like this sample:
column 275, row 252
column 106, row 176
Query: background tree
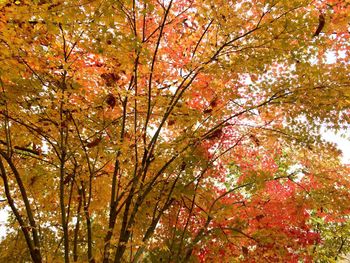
column 175, row 131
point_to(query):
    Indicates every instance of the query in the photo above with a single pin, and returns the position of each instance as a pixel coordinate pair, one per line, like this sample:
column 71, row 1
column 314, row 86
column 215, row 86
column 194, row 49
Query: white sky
column 3, row 217
column 342, row 143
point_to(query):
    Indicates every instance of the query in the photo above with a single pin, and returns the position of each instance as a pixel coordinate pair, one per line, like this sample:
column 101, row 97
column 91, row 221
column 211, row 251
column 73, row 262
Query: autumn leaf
column 182, row 131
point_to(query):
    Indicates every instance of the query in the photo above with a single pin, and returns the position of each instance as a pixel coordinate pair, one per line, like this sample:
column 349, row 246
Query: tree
column 175, row 131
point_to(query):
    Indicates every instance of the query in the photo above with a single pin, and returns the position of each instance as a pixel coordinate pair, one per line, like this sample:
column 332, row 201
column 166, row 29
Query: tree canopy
column 174, row 130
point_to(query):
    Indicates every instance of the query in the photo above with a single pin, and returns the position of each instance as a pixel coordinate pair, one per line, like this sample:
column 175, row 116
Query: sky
column 3, row 216
column 342, row 143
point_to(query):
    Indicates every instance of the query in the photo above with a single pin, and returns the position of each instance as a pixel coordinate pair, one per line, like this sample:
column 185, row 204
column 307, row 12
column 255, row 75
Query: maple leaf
column 173, row 130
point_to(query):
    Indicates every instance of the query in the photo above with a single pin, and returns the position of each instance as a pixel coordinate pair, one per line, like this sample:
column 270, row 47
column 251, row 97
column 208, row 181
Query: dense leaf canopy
column 173, row 130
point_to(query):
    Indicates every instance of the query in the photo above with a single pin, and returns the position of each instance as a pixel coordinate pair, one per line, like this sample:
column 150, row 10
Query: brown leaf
column 67, row 179
column 33, row 180
column 259, row 217
column 245, row 251
column 215, row 135
column 171, row 122
column 214, row 103
column 110, row 78
column 255, row 139
column 93, row 143
column 321, row 23
column 208, row 110
column 110, row 100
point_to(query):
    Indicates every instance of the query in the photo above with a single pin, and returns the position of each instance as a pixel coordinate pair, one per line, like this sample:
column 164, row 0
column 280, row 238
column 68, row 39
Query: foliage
column 178, row 130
